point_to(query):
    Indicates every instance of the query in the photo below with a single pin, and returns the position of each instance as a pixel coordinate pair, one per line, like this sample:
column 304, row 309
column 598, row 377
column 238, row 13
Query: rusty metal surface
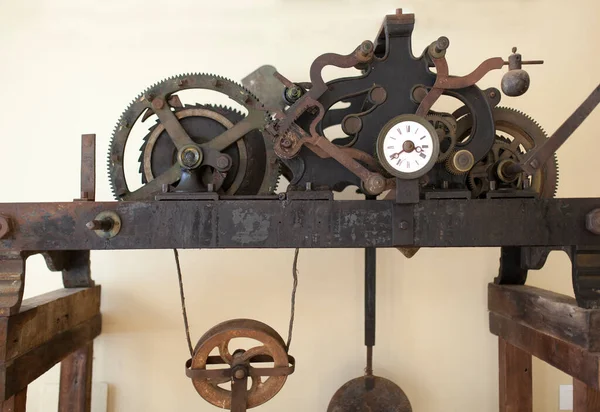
column 220, row 337
column 302, row 223
column 355, row 396
column 88, row 167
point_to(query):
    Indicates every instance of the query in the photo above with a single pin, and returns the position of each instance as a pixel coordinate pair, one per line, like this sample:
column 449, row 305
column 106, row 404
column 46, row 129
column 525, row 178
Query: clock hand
column 396, row 155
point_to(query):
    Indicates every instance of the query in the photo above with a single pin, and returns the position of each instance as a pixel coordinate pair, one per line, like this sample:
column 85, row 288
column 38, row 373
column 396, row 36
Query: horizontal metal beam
column 301, row 223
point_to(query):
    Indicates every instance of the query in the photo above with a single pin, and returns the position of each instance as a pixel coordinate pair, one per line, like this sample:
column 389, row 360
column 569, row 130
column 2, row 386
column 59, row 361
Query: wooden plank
column 585, row 399
column 16, row 374
column 548, row 312
column 16, row 403
column 75, row 393
column 516, row 384
column 569, row 358
column 44, row 316
column 12, row 282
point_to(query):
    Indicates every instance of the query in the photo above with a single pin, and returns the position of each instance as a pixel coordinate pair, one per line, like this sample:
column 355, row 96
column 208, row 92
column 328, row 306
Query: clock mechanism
column 369, row 130
column 408, row 146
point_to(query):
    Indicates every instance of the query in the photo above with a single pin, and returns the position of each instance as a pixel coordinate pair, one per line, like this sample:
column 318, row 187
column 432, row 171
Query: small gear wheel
column 445, row 126
column 516, row 135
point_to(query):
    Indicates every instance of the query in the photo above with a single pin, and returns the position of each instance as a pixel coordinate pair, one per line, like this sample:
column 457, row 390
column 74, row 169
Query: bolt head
column 366, row 47
column 158, row 103
column 239, row 374
column 190, row 157
column 222, row 162
column 404, row 225
column 443, row 43
column 5, row 226
column 592, row 221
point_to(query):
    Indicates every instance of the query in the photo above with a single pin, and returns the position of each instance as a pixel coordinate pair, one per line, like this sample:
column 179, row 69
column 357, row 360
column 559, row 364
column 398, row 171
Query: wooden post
column 75, row 393
column 16, row 403
column 516, row 390
column 585, row 398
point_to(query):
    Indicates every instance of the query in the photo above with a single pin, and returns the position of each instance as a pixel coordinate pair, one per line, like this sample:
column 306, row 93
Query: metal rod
column 538, row 157
column 370, row 292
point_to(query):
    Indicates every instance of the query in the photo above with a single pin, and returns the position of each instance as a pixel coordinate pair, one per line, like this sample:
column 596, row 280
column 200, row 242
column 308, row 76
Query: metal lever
column 538, row 157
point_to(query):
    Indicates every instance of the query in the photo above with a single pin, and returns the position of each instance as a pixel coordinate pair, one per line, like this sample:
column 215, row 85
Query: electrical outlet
column 565, row 397
column 99, row 396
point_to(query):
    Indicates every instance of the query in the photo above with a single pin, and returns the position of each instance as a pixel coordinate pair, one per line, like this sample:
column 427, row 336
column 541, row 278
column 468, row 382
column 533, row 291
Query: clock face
column 408, row 146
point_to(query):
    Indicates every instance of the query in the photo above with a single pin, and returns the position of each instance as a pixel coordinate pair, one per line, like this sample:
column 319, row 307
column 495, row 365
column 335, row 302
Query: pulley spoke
column 252, row 352
column 224, row 352
column 171, row 123
column 171, row 176
column 254, row 120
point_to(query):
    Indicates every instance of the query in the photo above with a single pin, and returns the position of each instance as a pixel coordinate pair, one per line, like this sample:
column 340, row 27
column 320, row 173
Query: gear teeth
column 150, row 90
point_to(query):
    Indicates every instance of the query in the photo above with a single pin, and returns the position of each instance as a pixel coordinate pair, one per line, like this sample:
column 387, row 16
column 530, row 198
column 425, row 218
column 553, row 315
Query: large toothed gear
column 254, row 168
column 516, row 135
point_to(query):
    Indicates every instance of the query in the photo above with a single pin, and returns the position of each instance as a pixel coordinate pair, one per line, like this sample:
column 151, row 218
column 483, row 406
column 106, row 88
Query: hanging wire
column 183, row 309
column 293, row 310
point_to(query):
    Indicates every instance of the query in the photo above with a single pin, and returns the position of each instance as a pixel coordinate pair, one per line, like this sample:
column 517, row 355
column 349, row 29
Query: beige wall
column 69, row 67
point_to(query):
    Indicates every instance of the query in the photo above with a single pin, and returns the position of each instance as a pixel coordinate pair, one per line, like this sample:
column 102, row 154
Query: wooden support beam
column 515, row 378
column 585, row 399
column 547, row 312
column 571, row 359
column 75, row 393
column 44, row 316
column 16, row 374
column 16, row 403
column 48, row 328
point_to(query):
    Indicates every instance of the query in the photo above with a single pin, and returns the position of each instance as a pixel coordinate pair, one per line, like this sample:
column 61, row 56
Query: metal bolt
column 308, row 186
column 592, row 221
column 492, row 94
column 158, row 103
column 366, row 47
column 223, row 162
column 445, row 184
column 293, row 93
column 404, row 225
column 104, row 224
column 239, row 374
column 210, row 187
column 5, row 226
column 442, row 44
column 286, row 143
column 165, row 188
column 534, row 163
column 190, row 157
column 492, row 185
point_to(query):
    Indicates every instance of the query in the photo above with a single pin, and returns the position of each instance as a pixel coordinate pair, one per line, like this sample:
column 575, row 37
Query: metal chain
column 183, row 308
column 293, row 310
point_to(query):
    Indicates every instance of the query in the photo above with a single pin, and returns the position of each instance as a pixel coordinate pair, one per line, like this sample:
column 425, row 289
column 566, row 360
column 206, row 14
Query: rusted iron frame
column 45, row 227
column 374, row 182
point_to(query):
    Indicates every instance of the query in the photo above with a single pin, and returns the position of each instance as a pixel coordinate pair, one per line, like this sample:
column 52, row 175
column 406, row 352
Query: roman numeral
column 408, row 128
column 422, row 155
column 399, row 131
column 425, row 146
column 422, row 138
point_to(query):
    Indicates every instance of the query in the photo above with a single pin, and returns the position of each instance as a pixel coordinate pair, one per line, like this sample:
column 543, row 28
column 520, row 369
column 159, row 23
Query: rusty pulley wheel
column 221, row 337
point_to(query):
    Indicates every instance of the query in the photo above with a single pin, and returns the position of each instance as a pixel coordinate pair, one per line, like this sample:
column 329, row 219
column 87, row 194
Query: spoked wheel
column 222, row 338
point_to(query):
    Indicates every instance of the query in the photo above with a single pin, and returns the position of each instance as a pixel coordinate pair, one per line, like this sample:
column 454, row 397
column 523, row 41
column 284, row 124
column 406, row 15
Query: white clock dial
column 408, row 146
